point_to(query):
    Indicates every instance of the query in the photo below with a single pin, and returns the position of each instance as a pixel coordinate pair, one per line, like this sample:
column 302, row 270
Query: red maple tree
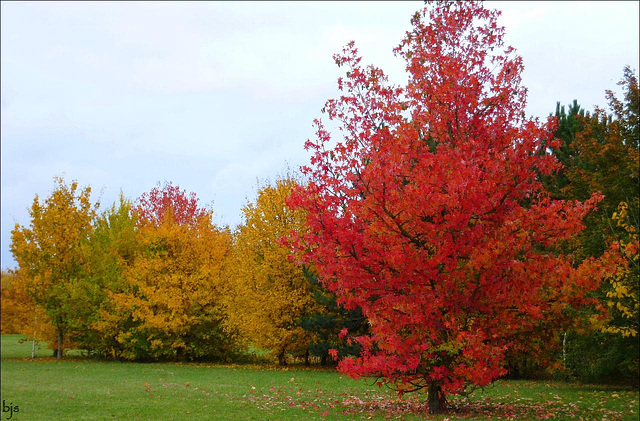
column 168, row 201
column 428, row 213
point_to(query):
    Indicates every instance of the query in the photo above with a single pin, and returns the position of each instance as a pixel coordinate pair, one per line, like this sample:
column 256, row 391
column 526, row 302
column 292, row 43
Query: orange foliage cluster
column 18, row 312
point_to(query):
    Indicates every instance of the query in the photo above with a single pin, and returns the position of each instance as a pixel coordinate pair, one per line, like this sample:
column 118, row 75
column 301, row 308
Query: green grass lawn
column 83, row 389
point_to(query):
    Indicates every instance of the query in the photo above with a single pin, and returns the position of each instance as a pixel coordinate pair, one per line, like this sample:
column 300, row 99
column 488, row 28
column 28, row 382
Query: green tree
column 330, row 323
column 570, row 123
column 114, row 244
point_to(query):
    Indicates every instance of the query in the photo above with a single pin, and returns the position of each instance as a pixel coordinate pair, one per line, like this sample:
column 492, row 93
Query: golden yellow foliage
column 51, row 255
column 622, row 298
column 268, row 293
column 171, row 305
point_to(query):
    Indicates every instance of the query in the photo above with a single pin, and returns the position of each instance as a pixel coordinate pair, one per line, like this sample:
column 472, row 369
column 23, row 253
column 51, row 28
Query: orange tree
column 52, row 256
column 17, row 307
column 170, row 305
column 428, row 212
column 18, row 310
column 600, row 154
column 20, row 314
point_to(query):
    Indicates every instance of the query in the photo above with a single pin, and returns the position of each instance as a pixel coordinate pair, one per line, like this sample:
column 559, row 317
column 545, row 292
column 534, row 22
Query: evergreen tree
column 325, row 324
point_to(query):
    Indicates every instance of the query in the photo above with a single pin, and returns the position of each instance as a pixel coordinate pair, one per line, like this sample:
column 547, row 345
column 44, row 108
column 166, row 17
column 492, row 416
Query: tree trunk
column 59, row 353
column 437, row 403
column 306, row 358
column 35, row 331
column 180, row 354
column 282, row 358
column 564, row 350
column 323, row 360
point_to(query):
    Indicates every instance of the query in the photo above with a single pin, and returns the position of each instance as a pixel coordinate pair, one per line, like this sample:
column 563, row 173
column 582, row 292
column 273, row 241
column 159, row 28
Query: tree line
column 157, row 279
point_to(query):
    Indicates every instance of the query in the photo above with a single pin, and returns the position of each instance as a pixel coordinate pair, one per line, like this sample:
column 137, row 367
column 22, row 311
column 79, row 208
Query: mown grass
column 84, row 389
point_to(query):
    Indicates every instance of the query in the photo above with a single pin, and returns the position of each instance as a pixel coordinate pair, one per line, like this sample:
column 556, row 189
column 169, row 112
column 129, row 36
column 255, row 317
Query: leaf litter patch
column 322, row 402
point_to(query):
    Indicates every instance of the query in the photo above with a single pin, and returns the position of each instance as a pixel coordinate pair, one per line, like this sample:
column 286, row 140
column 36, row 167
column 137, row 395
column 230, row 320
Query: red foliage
column 168, row 201
column 428, row 212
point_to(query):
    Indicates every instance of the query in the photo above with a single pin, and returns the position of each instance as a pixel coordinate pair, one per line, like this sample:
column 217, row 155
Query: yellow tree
column 51, row 254
column 269, row 293
column 622, row 297
column 171, row 306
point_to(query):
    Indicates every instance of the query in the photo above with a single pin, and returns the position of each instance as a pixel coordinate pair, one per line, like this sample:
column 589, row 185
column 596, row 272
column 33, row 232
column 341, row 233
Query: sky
column 219, row 97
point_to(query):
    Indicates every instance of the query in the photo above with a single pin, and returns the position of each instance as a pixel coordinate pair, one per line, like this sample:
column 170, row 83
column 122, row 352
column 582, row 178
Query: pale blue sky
column 216, row 95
